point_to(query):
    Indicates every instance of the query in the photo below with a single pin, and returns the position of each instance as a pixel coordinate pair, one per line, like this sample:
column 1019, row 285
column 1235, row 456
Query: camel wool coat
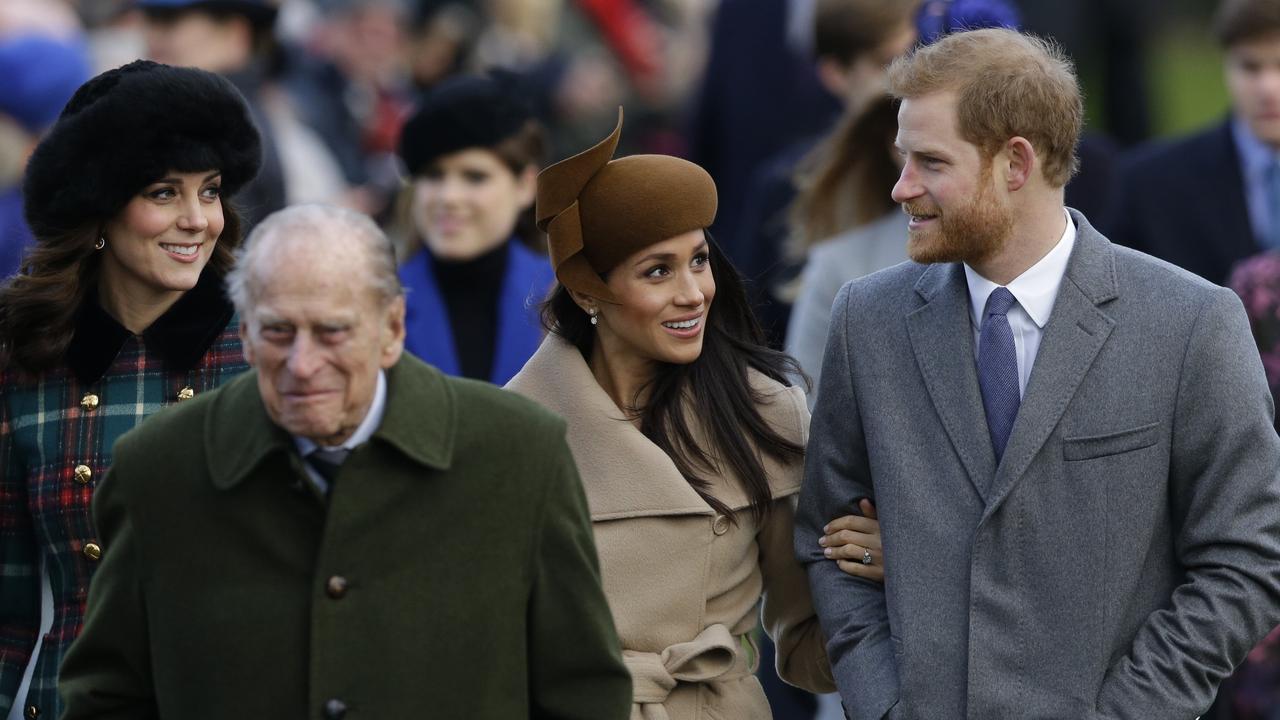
column 685, row 585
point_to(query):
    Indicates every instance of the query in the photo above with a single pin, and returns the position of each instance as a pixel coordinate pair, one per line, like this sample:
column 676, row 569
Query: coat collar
column 179, row 337
column 527, row 277
column 624, row 473
column 420, row 423
column 943, row 344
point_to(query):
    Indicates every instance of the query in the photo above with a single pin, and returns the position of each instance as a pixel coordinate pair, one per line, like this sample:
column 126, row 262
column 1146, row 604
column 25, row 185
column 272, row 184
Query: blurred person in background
column 228, row 37
column 759, row 93
column 442, row 41
column 850, row 189
column 119, row 311
column 52, row 18
column 854, row 41
column 41, row 73
column 1223, row 180
column 478, row 272
column 235, row 38
column 1110, row 41
column 353, row 88
column 585, row 57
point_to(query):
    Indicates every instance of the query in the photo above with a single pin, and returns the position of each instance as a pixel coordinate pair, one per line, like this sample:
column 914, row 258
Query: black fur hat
column 461, row 113
column 127, row 128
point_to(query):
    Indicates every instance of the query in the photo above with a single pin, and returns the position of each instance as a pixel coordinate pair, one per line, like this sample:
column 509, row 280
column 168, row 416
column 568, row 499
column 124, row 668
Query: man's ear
column 393, row 336
column 245, row 343
column 1020, row 162
column 834, row 76
column 527, row 185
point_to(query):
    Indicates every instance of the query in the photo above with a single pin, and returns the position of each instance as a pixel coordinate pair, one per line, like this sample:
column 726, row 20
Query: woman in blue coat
column 473, row 149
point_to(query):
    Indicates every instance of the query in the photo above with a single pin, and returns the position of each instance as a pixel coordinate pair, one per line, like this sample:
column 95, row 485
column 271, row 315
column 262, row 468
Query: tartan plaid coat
column 56, row 434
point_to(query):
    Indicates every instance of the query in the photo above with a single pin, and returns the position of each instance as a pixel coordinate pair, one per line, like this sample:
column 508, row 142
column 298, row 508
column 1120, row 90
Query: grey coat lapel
column 942, row 338
column 1076, row 331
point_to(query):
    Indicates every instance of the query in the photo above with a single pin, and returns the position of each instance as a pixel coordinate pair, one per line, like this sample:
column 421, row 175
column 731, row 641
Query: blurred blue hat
column 40, row 74
column 258, row 11
column 940, row 17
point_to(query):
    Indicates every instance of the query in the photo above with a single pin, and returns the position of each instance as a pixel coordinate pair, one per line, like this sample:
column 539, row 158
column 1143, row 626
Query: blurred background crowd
column 780, row 100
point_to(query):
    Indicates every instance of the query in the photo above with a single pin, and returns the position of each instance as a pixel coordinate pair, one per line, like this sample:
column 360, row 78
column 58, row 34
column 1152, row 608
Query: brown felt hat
column 597, row 211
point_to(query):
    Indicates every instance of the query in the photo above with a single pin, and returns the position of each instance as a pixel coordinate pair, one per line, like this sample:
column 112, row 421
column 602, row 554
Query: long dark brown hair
column 39, row 306
column 714, row 389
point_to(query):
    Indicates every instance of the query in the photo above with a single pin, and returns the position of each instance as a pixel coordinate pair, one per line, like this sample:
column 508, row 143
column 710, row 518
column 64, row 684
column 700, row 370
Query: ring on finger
column 866, row 556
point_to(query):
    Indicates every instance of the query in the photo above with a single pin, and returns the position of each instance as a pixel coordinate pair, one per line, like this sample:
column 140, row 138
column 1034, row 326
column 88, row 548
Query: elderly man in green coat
column 345, row 532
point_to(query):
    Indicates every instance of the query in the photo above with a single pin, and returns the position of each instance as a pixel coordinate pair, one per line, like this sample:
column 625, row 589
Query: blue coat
column 429, row 335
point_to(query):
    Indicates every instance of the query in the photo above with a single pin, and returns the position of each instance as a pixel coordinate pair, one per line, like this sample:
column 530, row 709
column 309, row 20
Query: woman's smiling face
column 160, row 242
column 466, row 203
column 664, row 292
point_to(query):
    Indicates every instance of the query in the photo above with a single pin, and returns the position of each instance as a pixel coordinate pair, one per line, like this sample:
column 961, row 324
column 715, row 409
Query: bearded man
column 1068, row 443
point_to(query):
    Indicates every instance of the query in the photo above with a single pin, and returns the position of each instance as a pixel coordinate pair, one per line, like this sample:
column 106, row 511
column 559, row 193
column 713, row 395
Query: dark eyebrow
column 667, row 257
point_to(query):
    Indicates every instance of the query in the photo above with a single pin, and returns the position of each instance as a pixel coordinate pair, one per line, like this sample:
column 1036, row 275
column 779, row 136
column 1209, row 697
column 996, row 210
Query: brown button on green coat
column 451, row 575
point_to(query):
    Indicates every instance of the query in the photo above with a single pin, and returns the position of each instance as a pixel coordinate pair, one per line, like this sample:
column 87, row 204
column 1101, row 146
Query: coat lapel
column 421, row 417
column 528, row 279
column 419, row 421
column 623, row 472
column 1074, row 335
column 942, row 337
column 238, row 433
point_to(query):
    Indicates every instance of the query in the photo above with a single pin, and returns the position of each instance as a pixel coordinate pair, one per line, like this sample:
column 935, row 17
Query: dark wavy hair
column 40, row 305
column 714, row 389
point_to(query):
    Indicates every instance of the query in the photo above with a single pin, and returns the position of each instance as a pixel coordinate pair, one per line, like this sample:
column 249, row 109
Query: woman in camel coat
column 689, row 442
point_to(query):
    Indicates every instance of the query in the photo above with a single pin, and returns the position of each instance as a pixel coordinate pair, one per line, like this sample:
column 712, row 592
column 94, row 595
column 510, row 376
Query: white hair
column 314, row 221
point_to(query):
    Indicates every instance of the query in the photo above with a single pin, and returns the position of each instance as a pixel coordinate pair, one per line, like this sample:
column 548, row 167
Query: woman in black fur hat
column 474, row 151
column 118, row 310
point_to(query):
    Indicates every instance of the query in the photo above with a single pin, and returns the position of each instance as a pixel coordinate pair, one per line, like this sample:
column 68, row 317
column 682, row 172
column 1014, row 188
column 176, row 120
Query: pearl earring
column 594, row 320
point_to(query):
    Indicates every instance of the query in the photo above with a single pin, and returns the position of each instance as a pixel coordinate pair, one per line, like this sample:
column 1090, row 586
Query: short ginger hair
column 1007, row 84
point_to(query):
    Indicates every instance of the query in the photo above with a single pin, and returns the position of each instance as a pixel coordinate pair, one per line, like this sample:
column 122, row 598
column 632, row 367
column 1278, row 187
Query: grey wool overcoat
column 450, row 574
column 1124, row 555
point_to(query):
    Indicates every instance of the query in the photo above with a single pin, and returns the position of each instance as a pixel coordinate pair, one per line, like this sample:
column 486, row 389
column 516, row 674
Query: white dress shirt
column 1035, row 291
column 372, row 419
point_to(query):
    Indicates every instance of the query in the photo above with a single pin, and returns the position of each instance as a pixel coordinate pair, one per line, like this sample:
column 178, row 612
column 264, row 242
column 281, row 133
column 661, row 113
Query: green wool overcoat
column 451, row 574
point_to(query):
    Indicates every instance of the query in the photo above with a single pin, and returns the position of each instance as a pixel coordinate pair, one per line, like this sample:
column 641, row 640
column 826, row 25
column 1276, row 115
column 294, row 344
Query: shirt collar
column 1255, row 155
column 1035, row 289
column 372, row 419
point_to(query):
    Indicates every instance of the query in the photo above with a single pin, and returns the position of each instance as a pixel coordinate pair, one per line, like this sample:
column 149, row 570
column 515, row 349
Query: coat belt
column 712, row 655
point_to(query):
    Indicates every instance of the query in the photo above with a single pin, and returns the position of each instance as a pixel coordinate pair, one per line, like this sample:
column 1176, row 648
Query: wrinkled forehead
column 303, row 280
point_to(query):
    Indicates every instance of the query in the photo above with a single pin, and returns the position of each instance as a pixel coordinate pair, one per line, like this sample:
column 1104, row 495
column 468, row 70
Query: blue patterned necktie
column 998, row 369
column 1272, row 239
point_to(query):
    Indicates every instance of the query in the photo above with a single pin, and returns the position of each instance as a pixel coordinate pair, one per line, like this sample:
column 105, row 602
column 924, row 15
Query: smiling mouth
column 683, row 324
column 183, row 250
